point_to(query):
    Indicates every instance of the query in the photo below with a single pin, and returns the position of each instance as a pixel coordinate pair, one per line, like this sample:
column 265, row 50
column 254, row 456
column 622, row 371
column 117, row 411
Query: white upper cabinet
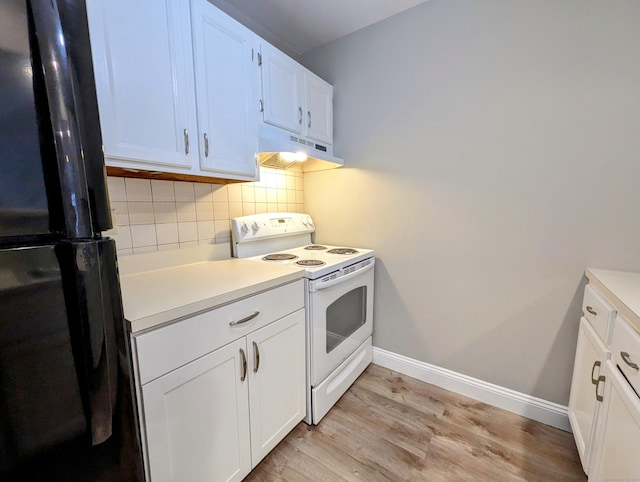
column 294, row 98
column 144, row 81
column 178, row 88
column 227, row 92
column 319, row 113
column 282, row 90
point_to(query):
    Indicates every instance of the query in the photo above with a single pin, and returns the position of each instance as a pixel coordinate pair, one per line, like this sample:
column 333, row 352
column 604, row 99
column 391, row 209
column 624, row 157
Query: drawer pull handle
column 256, row 354
column 243, row 357
column 603, row 379
column 592, row 311
column 627, row 359
column 593, row 369
column 244, row 320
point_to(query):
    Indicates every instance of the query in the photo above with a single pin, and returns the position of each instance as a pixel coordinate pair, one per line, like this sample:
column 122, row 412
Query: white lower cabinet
column 197, row 420
column 620, row 432
column 584, row 405
column 214, row 417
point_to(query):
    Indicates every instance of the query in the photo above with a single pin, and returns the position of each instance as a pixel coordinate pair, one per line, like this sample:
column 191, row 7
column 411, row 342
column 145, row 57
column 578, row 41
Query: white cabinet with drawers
column 592, row 352
column 220, row 389
column 604, row 407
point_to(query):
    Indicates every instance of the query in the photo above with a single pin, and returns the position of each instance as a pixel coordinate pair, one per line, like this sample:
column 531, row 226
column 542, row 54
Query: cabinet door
column 618, row 441
column 276, row 382
column 591, row 354
column 197, row 419
column 144, row 80
column 319, row 102
column 282, row 90
column 227, row 90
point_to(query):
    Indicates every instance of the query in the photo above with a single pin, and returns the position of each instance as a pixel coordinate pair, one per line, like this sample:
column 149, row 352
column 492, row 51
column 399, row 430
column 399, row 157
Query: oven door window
column 345, row 316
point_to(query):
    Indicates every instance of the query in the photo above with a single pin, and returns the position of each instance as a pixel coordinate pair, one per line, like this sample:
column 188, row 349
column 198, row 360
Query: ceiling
column 297, row 26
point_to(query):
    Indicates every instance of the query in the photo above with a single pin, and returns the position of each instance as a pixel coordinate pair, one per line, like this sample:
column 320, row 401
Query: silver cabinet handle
column 603, row 379
column 300, row 115
column 593, row 369
column 243, row 357
column 261, row 106
column 627, row 359
column 256, row 353
column 592, row 311
column 206, row 145
column 186, row 141
column 244, row 320
column 309, row 119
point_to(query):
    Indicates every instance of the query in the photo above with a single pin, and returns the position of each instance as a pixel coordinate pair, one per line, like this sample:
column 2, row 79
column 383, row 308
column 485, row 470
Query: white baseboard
column 543, row 411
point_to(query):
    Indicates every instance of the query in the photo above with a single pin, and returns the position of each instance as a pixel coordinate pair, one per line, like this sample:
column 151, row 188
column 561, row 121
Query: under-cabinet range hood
column 274, row 142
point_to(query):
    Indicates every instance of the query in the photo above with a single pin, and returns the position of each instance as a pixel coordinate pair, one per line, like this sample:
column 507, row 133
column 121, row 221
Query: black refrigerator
column 67, row 403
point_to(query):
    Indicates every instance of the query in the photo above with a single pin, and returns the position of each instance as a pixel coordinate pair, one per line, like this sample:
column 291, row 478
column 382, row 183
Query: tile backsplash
column 154, row 215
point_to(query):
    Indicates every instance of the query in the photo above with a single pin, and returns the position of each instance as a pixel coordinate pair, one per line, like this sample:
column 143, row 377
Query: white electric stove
column 338, row 294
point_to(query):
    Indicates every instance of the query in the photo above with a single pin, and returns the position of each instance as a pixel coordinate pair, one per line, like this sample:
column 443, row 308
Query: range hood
column 274, row 141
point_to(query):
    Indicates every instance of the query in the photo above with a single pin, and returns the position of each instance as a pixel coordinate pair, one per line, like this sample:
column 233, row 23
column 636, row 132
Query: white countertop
column 152, row 297
column 623, row 288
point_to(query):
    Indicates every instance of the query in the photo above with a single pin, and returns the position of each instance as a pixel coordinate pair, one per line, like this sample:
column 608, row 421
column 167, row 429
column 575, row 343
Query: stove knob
column 255, row 226
column 244, row 228
column 309, row 221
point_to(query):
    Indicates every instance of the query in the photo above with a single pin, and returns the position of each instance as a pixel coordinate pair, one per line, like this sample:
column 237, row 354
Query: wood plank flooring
column 389, row 427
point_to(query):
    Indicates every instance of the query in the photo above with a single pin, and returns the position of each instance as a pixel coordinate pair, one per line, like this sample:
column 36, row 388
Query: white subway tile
column 167, row 247
column 187, row 232
column 248, row 193
column 204, row 211
column 162, row 190
column 138, row 189
column 117, row 191
column 248, row 209
column 143, row 235
column 219, row 193
column 186, row 212
column 141, row 212
column 123, row 238
column 145, row 249
column 272, row 195
column 184, row 191
column 235, row 210
column 167, row 233
column 261, row 194
column 235, row 192
column 206, row 230
column 282, row 195
column 220, row 210
column 165, row 212
column 202, row 192
column 261, row 208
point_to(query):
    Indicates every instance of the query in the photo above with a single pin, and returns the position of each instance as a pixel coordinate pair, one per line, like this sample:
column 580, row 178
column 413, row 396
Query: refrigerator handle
column 89, row 284
column 59, row 85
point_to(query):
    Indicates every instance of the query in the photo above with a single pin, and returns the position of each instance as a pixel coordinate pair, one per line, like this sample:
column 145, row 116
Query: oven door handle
column 328, row 284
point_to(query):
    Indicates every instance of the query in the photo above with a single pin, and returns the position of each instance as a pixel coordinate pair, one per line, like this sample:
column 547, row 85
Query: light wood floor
column 392, row 427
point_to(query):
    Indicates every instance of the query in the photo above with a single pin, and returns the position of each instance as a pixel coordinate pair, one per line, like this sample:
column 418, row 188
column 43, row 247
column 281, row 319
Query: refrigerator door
column 52, row 178
column 66, row 391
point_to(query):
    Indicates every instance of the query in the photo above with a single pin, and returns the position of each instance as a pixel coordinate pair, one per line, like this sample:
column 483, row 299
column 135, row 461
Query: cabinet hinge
column 251, row 55
column 259, row 59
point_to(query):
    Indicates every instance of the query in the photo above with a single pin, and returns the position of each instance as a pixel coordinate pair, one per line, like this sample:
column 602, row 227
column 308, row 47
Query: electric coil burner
column 343, row 251
column 279, row 257
column 310, row 262
column 338, row 285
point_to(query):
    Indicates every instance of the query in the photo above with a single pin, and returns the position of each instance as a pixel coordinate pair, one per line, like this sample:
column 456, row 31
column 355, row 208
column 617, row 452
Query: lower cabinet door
column 616, row 454
column 591, row 354
column 276, row 382
column 197, row 419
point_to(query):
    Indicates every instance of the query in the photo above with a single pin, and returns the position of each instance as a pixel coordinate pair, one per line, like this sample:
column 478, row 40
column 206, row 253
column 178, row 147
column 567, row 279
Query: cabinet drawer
column 625, row 348
column 169, row 347
column 599, row 312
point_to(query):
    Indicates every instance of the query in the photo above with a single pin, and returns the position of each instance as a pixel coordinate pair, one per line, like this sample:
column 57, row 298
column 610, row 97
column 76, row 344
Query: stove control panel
column 270, row 225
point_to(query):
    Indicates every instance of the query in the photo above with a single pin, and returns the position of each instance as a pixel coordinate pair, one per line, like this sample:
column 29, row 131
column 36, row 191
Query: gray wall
column 492, row 153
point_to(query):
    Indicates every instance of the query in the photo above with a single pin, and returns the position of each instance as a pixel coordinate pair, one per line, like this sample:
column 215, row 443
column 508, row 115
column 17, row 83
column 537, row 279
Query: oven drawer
column 599, row 312
column 169, row 347
column 625, row 348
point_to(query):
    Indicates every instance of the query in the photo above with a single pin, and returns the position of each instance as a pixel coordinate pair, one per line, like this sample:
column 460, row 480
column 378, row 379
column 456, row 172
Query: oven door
column 340, row 319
